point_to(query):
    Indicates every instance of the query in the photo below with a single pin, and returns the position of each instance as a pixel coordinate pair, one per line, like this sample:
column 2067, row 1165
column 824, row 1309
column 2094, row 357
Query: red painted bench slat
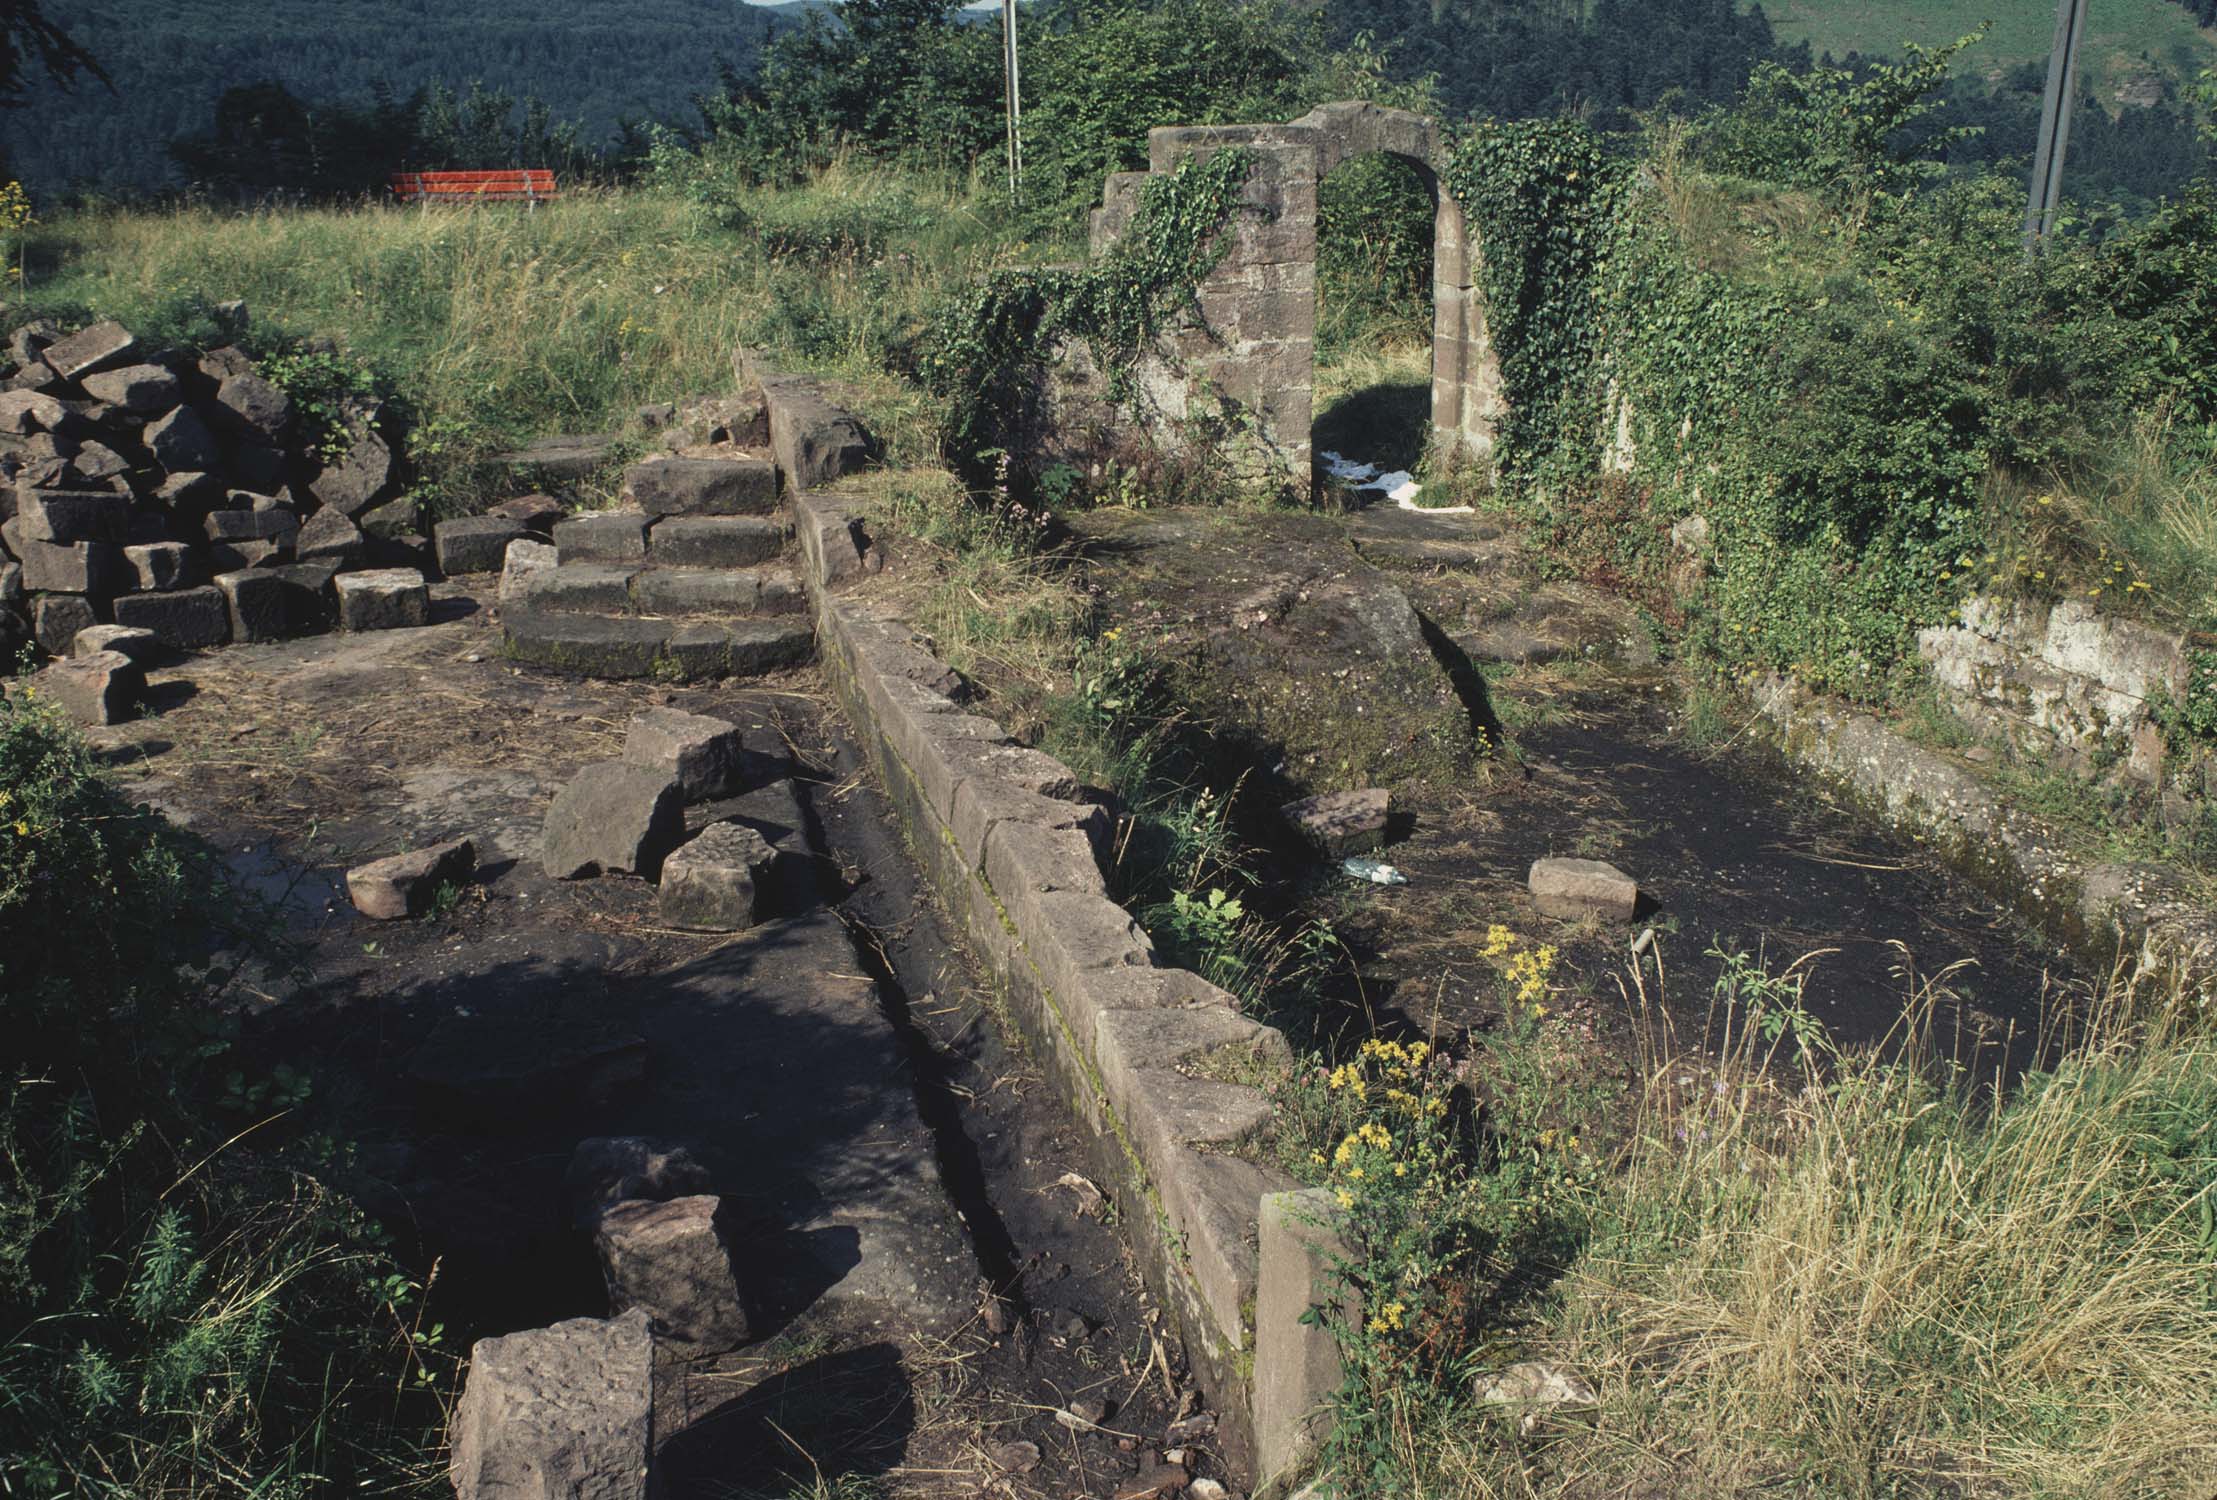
column 532, row 184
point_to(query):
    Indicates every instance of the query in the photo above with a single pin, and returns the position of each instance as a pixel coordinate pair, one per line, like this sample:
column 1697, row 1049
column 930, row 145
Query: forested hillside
column 171, row 59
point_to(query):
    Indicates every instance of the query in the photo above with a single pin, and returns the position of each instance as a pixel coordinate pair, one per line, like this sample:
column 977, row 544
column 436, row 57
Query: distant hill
column 591, row 61
column 2130, row 44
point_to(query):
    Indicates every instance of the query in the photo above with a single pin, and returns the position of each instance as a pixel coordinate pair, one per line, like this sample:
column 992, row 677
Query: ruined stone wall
column 1236, row 378
column 2063, row 680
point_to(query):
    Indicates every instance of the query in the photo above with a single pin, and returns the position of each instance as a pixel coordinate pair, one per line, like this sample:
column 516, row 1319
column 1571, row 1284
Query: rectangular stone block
column 182, row 619
column 716, row 541
column 162, row 565
column 1297, row 1365
column 614, row 536
column 383, row 599
column 95, row 569
column 66, row 516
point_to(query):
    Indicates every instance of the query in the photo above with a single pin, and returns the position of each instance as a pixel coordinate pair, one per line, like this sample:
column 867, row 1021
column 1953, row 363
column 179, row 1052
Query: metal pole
column 1015, row 99
column 2046, row 188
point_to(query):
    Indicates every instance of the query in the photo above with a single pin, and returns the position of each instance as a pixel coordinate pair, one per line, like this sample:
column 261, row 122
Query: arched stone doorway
column 1255, row 349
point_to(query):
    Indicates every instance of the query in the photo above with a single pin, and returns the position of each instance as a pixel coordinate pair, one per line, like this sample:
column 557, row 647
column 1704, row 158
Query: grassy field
column 2127, row 36
column 497, row 324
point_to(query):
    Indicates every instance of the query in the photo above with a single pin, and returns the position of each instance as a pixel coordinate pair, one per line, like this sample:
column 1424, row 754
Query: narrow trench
column 897, row 969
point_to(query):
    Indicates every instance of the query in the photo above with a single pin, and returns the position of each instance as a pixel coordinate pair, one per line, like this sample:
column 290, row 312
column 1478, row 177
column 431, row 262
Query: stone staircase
column 695, row 578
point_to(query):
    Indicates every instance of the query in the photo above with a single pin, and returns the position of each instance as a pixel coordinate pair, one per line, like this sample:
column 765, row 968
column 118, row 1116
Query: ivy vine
column 1541, row 196
column 988, row 347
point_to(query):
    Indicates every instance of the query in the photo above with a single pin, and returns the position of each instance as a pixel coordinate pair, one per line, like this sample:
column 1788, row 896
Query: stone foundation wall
column 2062, row 679
column 1140, row 1053
column 2139, row 910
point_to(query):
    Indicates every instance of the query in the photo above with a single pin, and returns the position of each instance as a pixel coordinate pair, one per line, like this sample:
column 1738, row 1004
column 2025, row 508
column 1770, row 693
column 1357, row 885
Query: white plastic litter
column 1400, row 486
column 1374, row 872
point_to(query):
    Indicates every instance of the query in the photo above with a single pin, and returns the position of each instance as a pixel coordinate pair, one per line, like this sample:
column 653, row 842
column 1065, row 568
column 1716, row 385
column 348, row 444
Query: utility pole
column 1015, row 100
column 2055, row 123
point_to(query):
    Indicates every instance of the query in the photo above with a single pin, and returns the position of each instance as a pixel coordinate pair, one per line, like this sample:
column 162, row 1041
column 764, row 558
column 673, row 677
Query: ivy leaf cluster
column 989, row 347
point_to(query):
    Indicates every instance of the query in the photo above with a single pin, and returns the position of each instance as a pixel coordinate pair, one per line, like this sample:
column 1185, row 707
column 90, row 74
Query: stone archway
column 1255, row 348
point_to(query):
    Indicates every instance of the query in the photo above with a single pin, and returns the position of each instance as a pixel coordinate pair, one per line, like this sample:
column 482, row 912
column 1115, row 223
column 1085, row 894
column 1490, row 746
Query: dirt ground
column 426, row 1045
column 1585, row 752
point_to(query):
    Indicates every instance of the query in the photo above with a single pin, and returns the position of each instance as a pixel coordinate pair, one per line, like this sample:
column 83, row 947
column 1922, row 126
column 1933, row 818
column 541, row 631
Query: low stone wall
column 2136, row 909
column 1142, row 1054
column 2059, row 678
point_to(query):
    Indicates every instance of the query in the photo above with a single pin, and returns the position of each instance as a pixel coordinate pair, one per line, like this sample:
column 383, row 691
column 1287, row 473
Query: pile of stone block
column 183, row 495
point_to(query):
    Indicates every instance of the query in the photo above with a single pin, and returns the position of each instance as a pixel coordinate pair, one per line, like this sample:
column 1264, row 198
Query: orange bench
column 520, row 186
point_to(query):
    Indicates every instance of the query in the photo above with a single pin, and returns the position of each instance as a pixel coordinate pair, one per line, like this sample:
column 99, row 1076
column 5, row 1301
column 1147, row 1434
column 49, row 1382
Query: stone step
column 703, row 486
column 673, row 650
column 633, row 536
column 617, row 588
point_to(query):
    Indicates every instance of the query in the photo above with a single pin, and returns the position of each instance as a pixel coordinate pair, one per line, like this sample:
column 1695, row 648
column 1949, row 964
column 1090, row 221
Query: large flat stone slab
column 703, row 486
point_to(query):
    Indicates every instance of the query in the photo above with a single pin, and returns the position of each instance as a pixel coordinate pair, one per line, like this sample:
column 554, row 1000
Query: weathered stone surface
column 237, row 557
column 96, row 569
column 815, row 440
column 587, row 645
column 673, row 1261
column 269, row 604
column 90, row 349
column 1583, row 888
column 2065, row 678
column 524, row 560
column 329, row 536
column 251, row 407
column 593, row 588
column 560, row 1413
column 1341, row 823
column 612, row 536
column 610, row 1169
column 392, row 520
column 715, row 882
column 703, row 486
column 359, row 479
column 139, row 645
column 258, row 467
column 182, row 619
column 31, row 412
column 250, row 523
column 718, row 591
column 72, row 515
column 161, row 565
column 753, row 647
column 560, row 458
column 105, row 687
column 96, row 463
column 383, row 599
column 535, row 513
column 474, row 544
column 704, row 755
column 58, row 619
column 716, row 541
column 831, row 538
column 1297, row 1362
column 406, row 885
column 140, row 389
column 186, row 492
column 614, row 817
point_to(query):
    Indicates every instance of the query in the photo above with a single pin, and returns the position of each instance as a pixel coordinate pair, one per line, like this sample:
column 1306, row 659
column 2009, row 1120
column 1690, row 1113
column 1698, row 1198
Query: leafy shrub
column 187, row 1317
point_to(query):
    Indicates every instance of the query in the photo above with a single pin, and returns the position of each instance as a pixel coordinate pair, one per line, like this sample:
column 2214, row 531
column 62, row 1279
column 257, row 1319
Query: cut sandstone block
column 673, row 1262
column 383, row 599
column 562, row 1411
column 716, row 882
column 405, row 885
column 614, row 817
column 1575, row 888
column 704, row 754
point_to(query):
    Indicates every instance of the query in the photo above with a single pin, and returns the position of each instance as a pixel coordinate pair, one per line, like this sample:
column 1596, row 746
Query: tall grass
column 1864, row 1276
column 497, row 323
